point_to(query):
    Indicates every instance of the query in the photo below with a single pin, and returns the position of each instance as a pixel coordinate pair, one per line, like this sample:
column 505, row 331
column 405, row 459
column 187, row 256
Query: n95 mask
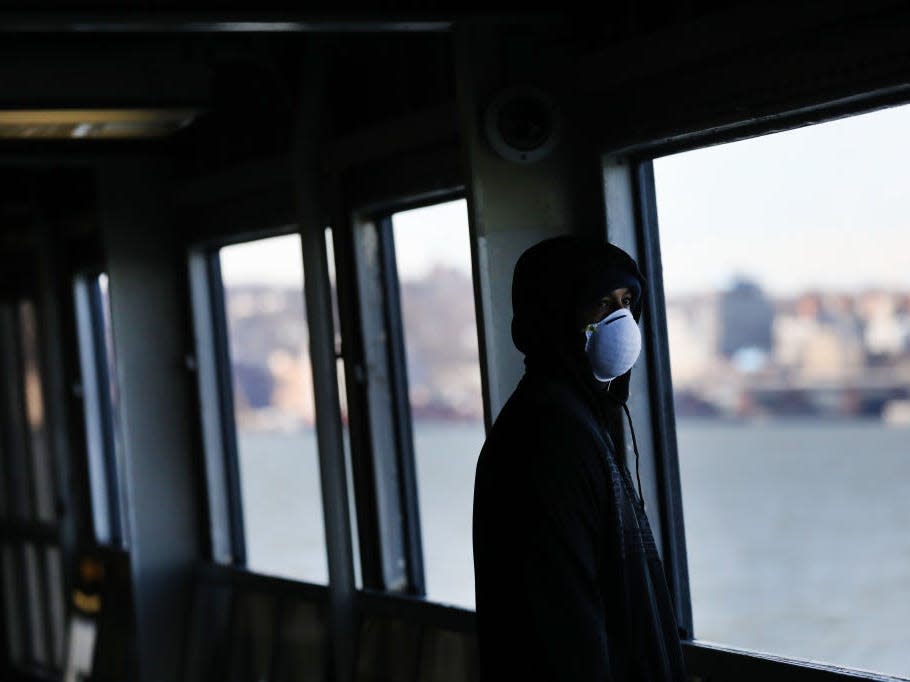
column 613, row 345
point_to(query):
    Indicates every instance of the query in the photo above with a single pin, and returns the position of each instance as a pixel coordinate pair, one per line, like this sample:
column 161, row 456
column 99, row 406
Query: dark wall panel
column 148, row 310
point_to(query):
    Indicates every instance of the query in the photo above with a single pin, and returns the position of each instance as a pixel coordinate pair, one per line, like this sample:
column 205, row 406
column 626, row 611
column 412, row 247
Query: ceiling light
column 66, row 124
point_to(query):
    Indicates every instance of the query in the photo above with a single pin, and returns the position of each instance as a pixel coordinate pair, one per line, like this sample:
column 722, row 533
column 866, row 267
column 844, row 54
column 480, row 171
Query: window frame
column 638, row 220
column 384, row 472
column 212, row 365
column 660, row 396
column 216, row 399
column 630, row 208
column 401, row 414
column 104, row 454
column 381, row 443
column 404, row 415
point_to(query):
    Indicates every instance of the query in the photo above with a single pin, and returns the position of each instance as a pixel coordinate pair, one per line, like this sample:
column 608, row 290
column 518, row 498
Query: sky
column 432, row 235
column 424, row 237
column 824, row 206
column 274, row 260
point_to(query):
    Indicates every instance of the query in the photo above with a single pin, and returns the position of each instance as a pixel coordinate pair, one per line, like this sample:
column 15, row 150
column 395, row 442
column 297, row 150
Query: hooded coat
column 569, row 584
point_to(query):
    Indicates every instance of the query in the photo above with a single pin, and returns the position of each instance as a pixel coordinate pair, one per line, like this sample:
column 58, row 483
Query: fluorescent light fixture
column 67, row 124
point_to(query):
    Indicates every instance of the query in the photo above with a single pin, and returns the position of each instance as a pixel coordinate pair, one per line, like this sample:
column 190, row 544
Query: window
column 101, row 407
column 270, row 439
column 31, row 575
column 32, row 394
column 787, row 279
column 433, row 258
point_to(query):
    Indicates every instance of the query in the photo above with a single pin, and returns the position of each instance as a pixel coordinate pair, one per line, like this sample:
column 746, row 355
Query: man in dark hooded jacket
column 569, row 584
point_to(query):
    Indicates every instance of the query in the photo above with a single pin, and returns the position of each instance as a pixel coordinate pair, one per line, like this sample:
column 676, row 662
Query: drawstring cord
column 641, row 498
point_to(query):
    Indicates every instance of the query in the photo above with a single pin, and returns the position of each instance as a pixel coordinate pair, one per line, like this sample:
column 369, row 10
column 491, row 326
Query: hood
column 552, row 282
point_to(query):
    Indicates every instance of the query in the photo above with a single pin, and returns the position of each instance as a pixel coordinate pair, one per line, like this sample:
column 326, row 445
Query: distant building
column 745, row 320
column 885, row 331
column 692, row 334
column 831, row 352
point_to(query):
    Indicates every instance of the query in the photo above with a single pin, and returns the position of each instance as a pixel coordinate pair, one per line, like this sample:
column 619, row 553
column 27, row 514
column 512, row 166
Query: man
column 568, row 581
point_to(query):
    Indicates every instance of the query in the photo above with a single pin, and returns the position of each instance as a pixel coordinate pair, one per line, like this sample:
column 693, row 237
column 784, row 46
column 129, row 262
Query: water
column 798, row 532
column 797, row 535
column 282, row 505
column 446, row 457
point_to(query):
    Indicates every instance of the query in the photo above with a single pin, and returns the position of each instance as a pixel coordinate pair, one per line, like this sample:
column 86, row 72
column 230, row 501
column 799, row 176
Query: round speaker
column 522, row 124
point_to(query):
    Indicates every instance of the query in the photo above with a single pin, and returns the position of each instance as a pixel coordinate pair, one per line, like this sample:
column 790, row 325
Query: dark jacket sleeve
column 561, row 567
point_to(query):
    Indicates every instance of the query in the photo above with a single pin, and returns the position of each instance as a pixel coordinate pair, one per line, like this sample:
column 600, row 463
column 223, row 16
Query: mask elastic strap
column 641, row 498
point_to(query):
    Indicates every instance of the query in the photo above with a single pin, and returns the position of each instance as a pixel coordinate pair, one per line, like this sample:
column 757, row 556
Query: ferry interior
column 255, row 272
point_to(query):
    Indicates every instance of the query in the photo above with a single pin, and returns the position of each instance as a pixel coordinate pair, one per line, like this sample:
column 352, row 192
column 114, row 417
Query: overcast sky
column 424, row 237
column 822, row 206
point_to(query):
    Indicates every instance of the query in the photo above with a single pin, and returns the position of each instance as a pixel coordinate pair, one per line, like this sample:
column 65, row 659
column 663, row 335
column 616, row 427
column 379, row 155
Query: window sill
column 712, row 662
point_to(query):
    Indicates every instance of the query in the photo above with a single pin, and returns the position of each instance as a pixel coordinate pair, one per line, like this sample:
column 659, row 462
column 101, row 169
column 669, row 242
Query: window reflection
column 33, row 396
column 787, row 280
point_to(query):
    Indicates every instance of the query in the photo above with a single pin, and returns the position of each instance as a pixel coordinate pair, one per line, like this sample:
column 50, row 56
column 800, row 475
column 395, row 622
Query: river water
column 797, row 531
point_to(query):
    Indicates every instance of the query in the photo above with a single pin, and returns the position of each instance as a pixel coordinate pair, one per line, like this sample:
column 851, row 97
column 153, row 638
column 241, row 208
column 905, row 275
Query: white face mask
column 613, row 345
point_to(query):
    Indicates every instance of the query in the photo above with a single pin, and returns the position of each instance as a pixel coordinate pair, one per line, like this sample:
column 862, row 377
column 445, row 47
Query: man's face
column 608, row 304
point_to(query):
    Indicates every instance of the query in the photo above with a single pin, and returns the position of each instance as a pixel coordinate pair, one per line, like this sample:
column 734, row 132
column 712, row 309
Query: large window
column 433, row 258
column 787, row 279
column 272, row 467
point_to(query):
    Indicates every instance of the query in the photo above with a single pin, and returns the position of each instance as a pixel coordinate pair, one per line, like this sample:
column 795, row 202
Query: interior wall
column 514, row 205
column 148, row 311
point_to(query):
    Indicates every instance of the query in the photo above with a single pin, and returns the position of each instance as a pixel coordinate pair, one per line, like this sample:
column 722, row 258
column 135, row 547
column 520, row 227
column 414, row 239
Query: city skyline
column 731, row 352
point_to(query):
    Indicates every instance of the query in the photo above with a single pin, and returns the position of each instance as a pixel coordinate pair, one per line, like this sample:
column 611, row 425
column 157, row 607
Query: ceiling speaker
column 522, row 124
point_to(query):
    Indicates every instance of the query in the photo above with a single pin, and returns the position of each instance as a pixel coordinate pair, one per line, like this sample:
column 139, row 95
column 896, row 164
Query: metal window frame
column 382, row 442
column 407, row 468
column 660, row 395
column 228, row 421
column 227, row 542
column 98, row 411
column 630, row 222
column 387, row 561
column 325, row 262
column 708, row 661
